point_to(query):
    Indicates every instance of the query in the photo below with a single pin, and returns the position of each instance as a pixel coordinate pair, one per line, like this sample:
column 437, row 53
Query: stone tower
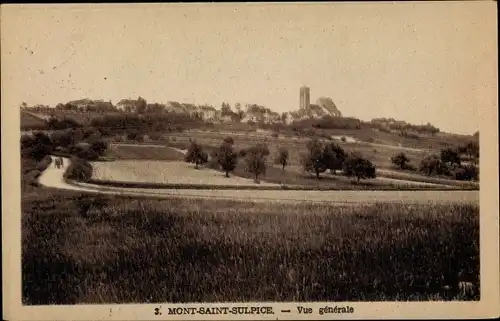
column 304, row 98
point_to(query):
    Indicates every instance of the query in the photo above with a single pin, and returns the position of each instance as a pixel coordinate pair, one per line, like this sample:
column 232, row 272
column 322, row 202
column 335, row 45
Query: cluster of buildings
column 253, row 113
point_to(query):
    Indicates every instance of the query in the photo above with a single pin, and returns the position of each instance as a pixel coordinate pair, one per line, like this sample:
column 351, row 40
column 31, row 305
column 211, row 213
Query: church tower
column 304, row 98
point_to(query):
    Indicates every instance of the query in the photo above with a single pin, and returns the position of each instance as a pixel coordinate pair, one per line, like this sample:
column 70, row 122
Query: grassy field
column 126, row 152
column 122, row 250
column 379, row 155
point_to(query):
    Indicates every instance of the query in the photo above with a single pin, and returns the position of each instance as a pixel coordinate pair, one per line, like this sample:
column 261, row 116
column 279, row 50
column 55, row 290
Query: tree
column 359, row 167
column 313, row 161
column 226, row 110
column 41, row 146
column 450, row 155
column 282, row 157
column 283, row 117
column 433, row 164
column 227, row 158
column 141, row 105
column 333, row 157
column 400, row 160
column 472, row 149
column 256, row 161
column 239, row 111
column 196, row 154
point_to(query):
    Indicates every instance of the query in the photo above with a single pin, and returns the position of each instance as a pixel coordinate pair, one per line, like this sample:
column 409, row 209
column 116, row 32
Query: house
column 127, row 105
column 175, row 107
column 207, row 112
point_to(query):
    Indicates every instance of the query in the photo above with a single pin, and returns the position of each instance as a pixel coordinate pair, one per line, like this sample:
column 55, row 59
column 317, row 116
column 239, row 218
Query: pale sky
column 420, row 62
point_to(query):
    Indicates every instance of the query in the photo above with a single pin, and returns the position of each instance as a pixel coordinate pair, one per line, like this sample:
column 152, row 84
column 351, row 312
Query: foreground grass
column 123, row 250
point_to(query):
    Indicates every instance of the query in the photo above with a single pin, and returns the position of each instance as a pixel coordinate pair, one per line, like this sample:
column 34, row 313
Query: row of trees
column 447, row 163
column 320, row 158
column 388, row 124
column 331, row 156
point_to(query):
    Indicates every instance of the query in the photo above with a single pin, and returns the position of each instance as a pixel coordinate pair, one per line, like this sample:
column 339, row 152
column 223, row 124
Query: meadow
column 82, row 248
column 379, row 155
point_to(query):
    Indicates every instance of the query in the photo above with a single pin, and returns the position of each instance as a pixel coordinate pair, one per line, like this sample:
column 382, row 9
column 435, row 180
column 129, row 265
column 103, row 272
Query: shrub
column 79, row 169
column 343, row 139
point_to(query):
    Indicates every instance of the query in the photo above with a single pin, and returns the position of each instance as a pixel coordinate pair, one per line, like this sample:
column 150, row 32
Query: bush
column 79, row 169
column 344, row 139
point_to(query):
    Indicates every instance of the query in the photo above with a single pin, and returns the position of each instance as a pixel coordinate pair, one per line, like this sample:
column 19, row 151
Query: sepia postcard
column 237, row 161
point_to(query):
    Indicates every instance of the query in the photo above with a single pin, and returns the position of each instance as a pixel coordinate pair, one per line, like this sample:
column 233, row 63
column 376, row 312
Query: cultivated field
column 171, row 172
column 124, row 250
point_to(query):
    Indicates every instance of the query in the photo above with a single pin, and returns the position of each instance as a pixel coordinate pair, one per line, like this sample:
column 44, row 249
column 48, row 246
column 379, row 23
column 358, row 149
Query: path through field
column 53, row 177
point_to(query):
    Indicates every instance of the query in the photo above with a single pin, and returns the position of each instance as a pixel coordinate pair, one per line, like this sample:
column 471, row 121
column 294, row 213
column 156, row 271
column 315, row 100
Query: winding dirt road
column 53, row 177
